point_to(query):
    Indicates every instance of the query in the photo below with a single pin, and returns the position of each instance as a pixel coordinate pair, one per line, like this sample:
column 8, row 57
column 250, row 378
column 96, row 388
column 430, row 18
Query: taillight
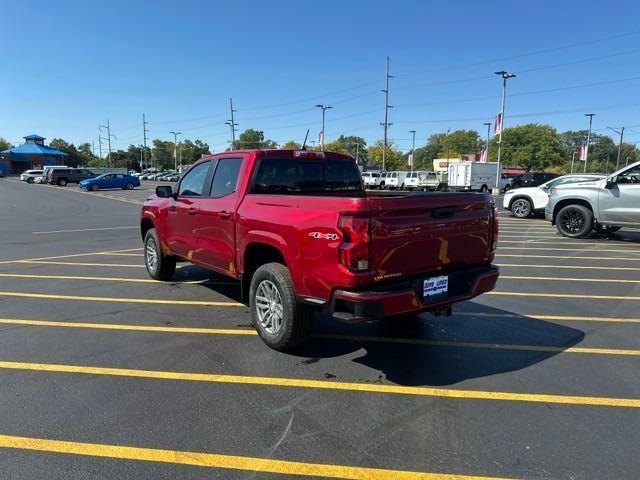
column 494, row 230
column 354, row 250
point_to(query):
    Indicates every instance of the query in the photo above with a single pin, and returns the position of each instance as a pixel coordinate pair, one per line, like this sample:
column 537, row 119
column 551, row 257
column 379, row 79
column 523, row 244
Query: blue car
column 110, row 180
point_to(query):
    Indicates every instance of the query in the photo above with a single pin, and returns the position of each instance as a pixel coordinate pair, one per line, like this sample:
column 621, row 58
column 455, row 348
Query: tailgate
column 425, row 233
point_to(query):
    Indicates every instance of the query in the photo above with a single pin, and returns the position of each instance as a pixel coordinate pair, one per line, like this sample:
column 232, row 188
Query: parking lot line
column 121, row 299
column 559, row 295
column 568, row 318
column 328, row 385
column 79, row 264
column 223, row 461
column 571, row 267
column 568, row 242
column 592, row 250
column 85, row 230
column 89, row 278
column 327, row 336
column 564, row 257
column 72, row 255
column 110, row 254
column 568, row 279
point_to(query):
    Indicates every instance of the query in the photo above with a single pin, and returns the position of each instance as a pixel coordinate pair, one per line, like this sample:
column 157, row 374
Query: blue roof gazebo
column 32, row 154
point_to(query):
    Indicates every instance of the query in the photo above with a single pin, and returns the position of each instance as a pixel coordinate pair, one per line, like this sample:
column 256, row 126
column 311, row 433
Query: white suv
column 29, row 176
column 522, row 202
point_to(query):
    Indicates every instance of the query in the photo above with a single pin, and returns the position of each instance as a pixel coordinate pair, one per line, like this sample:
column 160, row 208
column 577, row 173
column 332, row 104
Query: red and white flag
column 583, row 152
column 483, row 155
column 410, row 159
column 497, row 124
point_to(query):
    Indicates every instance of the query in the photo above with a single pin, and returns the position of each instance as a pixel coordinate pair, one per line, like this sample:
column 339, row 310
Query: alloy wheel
column 269, row 307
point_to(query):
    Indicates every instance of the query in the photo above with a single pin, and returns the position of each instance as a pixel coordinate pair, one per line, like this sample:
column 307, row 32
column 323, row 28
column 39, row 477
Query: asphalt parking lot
column 105, row 373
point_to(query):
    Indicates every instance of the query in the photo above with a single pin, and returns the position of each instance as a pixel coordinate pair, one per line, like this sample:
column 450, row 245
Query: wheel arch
column 520, row 197
column 570, row 201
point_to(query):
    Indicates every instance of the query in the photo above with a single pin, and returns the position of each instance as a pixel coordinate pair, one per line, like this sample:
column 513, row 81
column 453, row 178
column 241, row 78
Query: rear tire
column 282, row 323
column 484, row 189
column 62, row 182
column 128, row 186
column 521, row 208
column 94, row 187
column 159, row 266
column 574, row 221
column 30, row 180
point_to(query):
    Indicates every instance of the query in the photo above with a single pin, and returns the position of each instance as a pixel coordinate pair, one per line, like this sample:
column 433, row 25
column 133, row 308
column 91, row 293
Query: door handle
column 193, row 211
column 225, row 215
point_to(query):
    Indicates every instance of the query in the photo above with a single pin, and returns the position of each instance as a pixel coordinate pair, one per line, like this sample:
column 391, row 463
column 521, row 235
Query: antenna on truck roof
column 304, row 144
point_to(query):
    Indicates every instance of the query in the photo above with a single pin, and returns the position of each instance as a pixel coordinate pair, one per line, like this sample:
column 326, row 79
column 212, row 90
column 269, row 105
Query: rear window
column 300, row 176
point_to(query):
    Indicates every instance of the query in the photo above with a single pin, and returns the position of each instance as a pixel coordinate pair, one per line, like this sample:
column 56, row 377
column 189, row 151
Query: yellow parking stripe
column 327, row 385
column 593, row 250
column 71, row 255
column 233, row 462
column 568, row 318
column 80, row 264
column 587, row 267
column 564, row 257
column 106, row 279
column 562, row 295
column 327, row 336
column 121, row 299
column 568, row 279
column 111, row 254
column 567, row 242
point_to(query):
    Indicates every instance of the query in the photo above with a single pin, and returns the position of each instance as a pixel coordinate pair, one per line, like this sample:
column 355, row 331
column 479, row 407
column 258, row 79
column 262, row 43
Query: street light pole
column 413, row 145
column 175, row 149
column 505, row 76
column 586, row 153
column 324, row 108
column 386, row 123
column 621, row 133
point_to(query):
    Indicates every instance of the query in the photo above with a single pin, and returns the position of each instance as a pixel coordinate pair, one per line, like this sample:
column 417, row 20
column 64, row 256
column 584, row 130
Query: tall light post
column 413, row 145
column 586, row 151
column 486, row 152
column 324, row 108
column 505, row 76
column 621, row 133
column 175, row 149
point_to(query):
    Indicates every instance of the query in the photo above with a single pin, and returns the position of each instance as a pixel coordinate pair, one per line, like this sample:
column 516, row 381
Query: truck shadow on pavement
column 442, row 350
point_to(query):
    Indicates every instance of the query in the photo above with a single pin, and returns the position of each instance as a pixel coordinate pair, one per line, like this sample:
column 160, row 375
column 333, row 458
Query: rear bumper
column 406, row 296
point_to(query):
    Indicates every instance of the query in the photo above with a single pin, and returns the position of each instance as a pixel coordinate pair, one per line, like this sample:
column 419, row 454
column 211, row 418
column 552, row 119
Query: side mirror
column 164, row 191
column 611, row 182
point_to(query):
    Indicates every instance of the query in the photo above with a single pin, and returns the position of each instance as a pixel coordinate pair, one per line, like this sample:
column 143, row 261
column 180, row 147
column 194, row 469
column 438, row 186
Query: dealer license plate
column 435, row 286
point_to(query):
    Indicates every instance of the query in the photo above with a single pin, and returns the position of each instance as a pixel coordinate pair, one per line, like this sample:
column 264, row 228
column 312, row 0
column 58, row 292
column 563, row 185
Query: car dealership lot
column 535, row 380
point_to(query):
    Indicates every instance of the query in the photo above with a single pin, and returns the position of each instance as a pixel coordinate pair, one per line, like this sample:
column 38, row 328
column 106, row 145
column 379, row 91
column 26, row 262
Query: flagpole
column 505, row 76
column 586, row 153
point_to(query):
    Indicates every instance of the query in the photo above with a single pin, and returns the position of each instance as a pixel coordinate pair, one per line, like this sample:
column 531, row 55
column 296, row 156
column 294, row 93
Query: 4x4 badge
column 326, row 236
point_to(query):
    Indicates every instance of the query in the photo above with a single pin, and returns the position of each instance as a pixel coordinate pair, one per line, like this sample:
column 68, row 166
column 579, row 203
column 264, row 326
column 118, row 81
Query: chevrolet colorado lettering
column 297, row 229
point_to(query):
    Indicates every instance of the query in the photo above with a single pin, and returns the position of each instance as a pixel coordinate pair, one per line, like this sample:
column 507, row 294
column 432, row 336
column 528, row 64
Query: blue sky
column 68, row 66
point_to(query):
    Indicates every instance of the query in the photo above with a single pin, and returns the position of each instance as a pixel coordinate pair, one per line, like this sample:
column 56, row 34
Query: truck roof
column 285, row 153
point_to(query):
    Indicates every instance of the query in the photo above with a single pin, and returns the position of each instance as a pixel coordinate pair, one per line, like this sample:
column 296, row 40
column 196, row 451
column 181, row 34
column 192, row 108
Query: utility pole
column 175, row 149
column 573, row 159
column 109, row 135
column 386, row 123
column 621, row 133
column 324, row 108
column 413, row 145
column 586, row 154
column 488, row 125
column 144, row 143
column 505, row 76
column 232, row 123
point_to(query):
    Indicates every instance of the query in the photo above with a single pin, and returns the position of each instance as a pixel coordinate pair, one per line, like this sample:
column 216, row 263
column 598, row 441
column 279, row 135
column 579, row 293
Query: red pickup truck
column 298, row 230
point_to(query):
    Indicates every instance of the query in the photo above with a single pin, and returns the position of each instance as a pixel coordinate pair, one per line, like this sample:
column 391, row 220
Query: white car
column 522, row 202
column 29, row 176
column 371, row 179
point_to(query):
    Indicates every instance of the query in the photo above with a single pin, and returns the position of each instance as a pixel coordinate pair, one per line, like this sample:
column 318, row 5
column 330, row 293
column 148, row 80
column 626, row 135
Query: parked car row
column 86, row 179
column 580, row 204
column 164, row 176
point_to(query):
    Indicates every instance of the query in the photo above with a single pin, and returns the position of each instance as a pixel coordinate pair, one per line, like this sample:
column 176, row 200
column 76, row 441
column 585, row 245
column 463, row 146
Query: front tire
column 521, row 208
column 574, row 221
column 30, row 180
column 62, row 182
column 94, row 187
column 128, row 186
column 280, row 320
column 159, row 266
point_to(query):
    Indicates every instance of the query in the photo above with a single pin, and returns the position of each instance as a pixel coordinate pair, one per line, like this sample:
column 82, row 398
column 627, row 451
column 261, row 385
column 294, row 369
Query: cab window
column 192, row 184
column 225, row 177
column 631, row 175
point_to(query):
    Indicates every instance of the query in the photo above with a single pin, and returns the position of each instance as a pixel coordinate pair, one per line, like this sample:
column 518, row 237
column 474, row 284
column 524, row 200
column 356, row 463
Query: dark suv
column 532, row 179
column 62, row 176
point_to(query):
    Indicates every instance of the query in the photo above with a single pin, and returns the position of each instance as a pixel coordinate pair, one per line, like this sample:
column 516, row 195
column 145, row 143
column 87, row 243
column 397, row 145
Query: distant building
column 32, row 154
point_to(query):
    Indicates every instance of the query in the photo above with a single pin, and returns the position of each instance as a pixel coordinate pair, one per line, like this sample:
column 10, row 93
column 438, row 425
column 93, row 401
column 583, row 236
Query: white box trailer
column 472, row 176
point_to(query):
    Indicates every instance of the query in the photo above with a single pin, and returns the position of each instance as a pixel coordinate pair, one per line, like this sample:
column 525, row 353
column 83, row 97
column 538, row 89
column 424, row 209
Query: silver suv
column 606, row 205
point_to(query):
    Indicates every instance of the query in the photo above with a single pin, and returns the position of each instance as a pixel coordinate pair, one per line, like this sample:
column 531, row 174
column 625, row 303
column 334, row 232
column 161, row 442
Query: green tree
column 86, row 155
column 291, row 145
column 189, row 152
column 462, row 141
column 350, row 145
column 251, row 138
column 531, row 146
column 162, row 154
column 602, row 150
column 423, row 156
column 395, row 159
column 4, row 144
column 73, row 159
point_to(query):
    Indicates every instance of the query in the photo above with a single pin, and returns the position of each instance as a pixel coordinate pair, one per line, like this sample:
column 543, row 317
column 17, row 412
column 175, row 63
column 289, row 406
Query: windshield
column 288, row 175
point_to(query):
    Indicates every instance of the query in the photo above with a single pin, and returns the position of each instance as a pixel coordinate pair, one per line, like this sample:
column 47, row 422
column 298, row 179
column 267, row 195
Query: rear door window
column 192, row 184
column 225, row 177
